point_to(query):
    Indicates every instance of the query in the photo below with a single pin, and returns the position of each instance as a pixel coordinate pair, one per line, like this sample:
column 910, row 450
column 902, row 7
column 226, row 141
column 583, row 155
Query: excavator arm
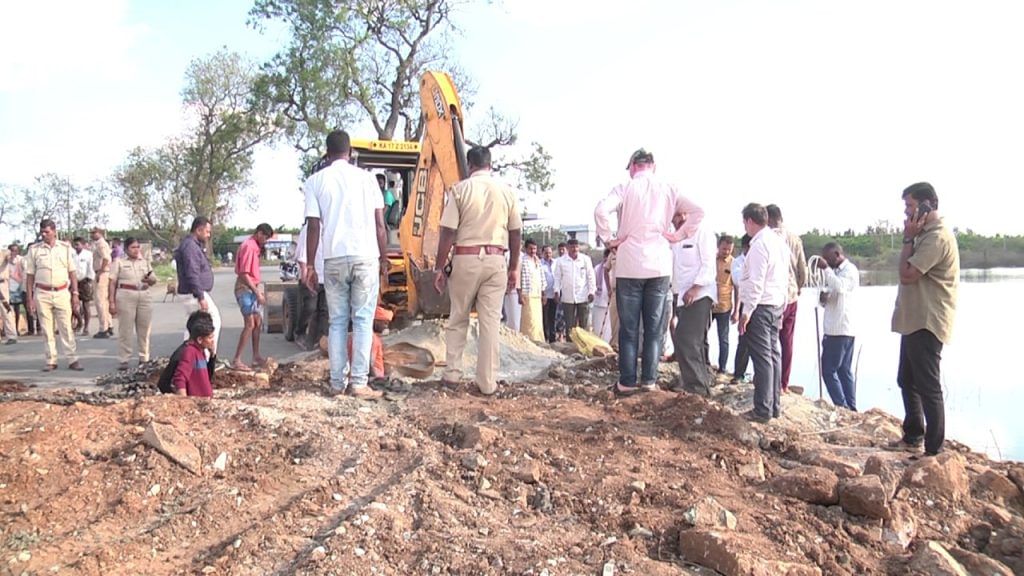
column 441, row 163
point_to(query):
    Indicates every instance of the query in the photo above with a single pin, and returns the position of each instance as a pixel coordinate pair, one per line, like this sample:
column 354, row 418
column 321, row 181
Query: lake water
column 981, row 377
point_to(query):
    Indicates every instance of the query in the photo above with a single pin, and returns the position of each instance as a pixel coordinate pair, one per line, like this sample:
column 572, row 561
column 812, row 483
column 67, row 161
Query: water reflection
column 980, row 376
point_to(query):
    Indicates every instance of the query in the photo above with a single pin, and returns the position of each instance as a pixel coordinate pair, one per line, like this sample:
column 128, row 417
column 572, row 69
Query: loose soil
column 553, row 476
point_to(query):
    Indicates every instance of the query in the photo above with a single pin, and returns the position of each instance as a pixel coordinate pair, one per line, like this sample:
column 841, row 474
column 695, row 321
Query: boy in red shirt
column 190, row 370
column 381, row 318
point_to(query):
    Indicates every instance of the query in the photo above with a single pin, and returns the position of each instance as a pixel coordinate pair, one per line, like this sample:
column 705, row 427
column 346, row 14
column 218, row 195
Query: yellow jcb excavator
column 423, row 171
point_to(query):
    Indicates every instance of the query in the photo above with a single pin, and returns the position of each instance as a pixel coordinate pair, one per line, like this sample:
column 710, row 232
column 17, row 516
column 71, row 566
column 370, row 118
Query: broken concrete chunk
column 172, row 444
column 864, row 496
column 708, row 513
column 808, row 483
column 932, row 559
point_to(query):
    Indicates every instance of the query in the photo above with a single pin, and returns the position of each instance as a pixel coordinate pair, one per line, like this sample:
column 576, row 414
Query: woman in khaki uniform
column 130, row 300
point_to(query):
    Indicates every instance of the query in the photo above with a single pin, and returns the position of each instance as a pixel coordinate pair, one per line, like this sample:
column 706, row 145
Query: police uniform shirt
column 482, row 210
column 129, row 272
column 51, row 265
column 100, row 252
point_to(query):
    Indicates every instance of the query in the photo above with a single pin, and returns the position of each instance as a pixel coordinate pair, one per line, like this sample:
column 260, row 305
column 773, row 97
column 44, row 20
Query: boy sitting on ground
column 190, row 370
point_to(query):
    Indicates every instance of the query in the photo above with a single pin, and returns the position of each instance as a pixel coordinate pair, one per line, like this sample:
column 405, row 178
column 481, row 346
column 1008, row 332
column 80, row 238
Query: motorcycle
column 289, row 271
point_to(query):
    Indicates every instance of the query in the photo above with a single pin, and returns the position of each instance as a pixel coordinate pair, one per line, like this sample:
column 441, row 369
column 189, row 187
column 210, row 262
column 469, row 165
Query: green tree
column 356, row 60
column 228, row 122
column 153, row 186
column 73, row 208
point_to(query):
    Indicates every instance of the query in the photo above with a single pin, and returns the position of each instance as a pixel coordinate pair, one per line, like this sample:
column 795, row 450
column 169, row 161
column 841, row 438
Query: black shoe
column 110, row 331
column 625, row 391
column 101, row 335
column 752, row 416
column 902, row 445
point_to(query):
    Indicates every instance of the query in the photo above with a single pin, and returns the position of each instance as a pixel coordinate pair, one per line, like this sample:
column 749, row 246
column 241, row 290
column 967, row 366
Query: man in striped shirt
column 532, row 285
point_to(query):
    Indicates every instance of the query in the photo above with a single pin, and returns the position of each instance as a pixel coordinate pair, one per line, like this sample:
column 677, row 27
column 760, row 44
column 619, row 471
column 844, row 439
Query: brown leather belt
column 474, row 250
column 129, row 286
column 48, row 288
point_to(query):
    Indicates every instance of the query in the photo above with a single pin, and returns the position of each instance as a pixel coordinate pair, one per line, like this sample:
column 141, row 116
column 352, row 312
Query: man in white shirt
column 693, row 283
column 600, row 319
column 550, row 305
column 575, row 285
column 742, row 358
column 840, row 278
column 86, row 283
column 345, row 213
column 763, row 291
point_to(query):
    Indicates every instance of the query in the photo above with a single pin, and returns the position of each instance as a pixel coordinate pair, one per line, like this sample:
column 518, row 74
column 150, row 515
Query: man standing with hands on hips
column 925, row 307
column 481, row 219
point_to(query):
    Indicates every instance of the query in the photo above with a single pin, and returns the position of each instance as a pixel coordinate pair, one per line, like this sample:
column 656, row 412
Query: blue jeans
column 351, row 285
column 836, row 363
column 640, row 301
column 723, row 319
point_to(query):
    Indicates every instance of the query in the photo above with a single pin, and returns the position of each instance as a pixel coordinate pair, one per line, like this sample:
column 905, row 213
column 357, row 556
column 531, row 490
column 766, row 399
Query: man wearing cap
column 646, row 207
column 51, row 288
column 101, row 259
column 480, row 218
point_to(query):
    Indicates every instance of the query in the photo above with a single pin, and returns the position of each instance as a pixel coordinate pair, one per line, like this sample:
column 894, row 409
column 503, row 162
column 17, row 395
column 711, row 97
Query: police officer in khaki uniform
column 131, row 302
column 52, row 289
column 101, row 260
column 481, row 218
column 6, row 308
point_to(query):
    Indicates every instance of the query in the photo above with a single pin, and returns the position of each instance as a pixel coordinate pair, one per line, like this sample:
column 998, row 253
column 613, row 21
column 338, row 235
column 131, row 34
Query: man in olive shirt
column 925, row 307
column 102, row 256
column 481, row 218
column 52, row 289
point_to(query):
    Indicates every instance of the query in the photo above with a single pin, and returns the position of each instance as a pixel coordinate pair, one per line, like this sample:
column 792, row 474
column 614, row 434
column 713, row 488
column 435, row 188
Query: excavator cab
column 397, row 161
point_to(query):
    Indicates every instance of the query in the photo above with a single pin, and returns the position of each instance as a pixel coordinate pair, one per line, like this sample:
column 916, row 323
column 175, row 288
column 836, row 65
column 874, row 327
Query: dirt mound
column 521, row 359
column 555, row 477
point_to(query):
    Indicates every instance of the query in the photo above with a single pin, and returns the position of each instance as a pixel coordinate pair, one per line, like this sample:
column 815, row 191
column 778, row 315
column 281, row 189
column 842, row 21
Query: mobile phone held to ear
column 923, row 208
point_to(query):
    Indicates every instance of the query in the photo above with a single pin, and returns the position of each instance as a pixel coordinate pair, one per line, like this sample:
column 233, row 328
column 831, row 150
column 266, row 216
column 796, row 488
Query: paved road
column 23, row 361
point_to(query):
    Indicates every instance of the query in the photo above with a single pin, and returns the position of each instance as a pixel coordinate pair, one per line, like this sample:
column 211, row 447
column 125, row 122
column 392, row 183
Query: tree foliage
column 228, row 123
column 153, row 185
column 355, row 60
column 204, row 170
column 352, row 60
column 73, row 208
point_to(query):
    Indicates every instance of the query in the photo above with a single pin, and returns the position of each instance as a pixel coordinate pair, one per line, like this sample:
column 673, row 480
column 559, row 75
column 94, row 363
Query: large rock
column 882, row 466
column 993, row 486
column 864, row 496
column 900, row 529
column 843, row 468
column 171, row 443
column 475, row 436
column 944, row 475
column 1016, row 474
column 808, row 483
column 752, row 471
column 976, row 563
column 932, row 559
column 708, row 513
column 731, row 556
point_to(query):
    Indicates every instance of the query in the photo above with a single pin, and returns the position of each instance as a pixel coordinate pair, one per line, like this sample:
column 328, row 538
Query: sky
column 828, row 109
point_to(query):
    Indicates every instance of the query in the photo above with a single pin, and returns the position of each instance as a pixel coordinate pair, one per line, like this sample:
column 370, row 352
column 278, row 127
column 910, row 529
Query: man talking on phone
column 929, row 272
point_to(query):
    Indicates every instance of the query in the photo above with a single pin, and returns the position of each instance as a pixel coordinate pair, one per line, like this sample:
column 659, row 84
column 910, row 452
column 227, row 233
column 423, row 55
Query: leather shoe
column 75, row 366
column 49, row 368
column 365, row 393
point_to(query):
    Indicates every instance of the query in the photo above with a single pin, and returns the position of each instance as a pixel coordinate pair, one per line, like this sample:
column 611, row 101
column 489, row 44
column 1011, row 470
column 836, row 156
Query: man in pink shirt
column 645, row 207
column 248, row 294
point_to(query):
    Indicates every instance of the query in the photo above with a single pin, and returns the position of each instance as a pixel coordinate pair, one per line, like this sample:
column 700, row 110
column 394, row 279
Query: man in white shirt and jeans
column 763, row 292
column 694, row 266
column 345, row 209
column 575, row 285
column 840, row 278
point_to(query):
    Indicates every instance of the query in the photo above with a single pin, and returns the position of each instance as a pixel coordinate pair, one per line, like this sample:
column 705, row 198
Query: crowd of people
column 57, row 285
column 664, row 279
